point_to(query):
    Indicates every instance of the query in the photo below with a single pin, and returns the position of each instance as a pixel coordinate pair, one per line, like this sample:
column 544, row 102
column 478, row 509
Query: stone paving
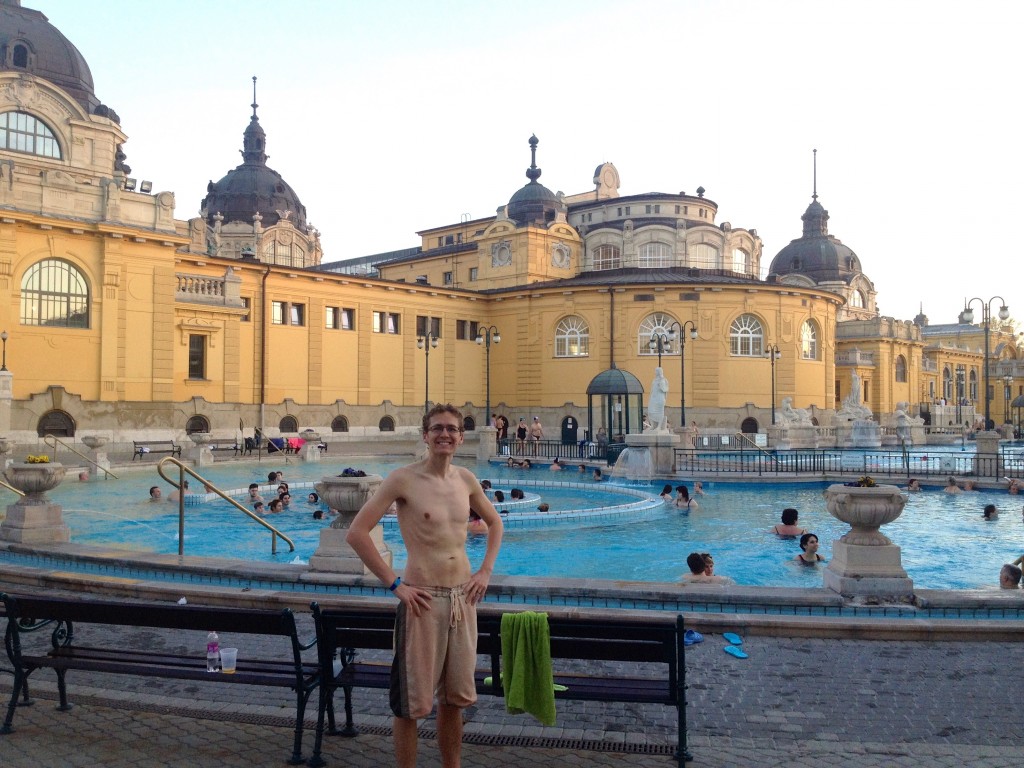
column 794, row 702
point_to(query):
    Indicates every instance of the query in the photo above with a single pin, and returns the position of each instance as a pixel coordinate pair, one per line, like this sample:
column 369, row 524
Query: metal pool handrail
column 52, row 441
column 11, row 488
column 180, row 485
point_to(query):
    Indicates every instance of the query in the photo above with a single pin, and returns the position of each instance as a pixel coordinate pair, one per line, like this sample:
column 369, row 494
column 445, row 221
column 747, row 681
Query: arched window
column 340, row 424
column 972, row 383
column 809, row 340
column 749, row 426
column 20, row 58
column 197, row 423
column 572, row 337
column 746, row 337
column 653, row 326
column 706, row 256
column 652, row 255
column 288, row 424
column 947, row 384
column 741, row 261
column 857, row 299
column 56, row 423
column 386, row 424
column 21, row 132
column 468, row 423
column 901, row 368
column 607, row 257
column 54, row 293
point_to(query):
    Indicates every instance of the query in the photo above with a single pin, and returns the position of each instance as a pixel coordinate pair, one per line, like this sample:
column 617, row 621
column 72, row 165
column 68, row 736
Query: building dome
column 534, row 203
column 817, row 255
column 29, row 43
column 253, row 188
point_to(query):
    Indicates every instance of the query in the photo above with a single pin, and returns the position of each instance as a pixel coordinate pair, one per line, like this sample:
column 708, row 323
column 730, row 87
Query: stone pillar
column 310, row 450
column 6, row 396
column 200, row 453
column 347, row 495
column 488, row 445
column 34, row 519
column 97, row 454
column 986, row 458
column 866, row 563
column 661, row 447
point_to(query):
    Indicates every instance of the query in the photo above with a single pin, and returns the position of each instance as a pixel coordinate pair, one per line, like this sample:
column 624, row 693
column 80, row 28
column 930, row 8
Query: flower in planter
column 41, row 459
column 864, row 482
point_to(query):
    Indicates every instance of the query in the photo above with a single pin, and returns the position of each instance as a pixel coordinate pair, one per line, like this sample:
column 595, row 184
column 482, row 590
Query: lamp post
column 485, row 335
column 961, row 374
column 661, row 342
column 681, row 329
column 1007, row 385
column 425, row 343
column 772, row 353
column 986, row 319
column 3, row 338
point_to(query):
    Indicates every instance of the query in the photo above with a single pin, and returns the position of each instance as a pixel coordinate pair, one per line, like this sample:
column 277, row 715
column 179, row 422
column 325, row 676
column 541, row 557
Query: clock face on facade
column 561, row 255
column 501, row 254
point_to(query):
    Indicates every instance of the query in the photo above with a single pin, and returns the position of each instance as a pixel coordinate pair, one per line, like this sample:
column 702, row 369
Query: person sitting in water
column 543, row 507
column 518, row 463
column 1014, row 486
column 809, row 545
column 698, row 565
column 258, row 508
column 970, row 486
column 698, row 488
column 175, row 495
column 990, row 513
column 913, row 485
column 313, row 498
column 254, row 493
column 556, row 465
column 517, row 493
column 683, row 500
column 1009, row 576
column 789, row 528
column 318, row 514
column 499, row 497
column 583, row 469
column 598, row 476
column 666, row 494
column 276, row 506
column 476, row 525
column 155, row 493
column 951, row 486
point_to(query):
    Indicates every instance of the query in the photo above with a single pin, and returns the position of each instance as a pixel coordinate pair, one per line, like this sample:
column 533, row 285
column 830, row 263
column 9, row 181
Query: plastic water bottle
column 212, row 652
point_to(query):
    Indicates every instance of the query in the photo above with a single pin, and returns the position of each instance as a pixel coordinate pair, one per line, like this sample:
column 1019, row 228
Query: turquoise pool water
column 593, row 533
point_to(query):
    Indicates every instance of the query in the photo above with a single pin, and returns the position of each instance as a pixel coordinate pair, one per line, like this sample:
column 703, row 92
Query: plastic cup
column 228, row 659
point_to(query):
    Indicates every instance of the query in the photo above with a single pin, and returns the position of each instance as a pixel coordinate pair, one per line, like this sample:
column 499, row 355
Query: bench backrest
column 193, row 617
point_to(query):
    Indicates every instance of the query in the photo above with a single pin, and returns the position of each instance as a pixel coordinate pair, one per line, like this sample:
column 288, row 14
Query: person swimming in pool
column 789, row 529
column 809, row 545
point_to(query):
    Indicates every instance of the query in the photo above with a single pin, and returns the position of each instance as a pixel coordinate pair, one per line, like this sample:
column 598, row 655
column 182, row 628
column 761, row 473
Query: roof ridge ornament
column 533, row 172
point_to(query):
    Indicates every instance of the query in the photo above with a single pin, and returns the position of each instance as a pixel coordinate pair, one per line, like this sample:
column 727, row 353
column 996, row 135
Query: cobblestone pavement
column 793, row 702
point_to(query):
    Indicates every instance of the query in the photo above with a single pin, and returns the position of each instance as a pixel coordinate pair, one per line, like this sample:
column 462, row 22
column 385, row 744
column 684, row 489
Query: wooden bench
column 64, row 618
column 155, row 446
column 225, row 445
column 653, row 644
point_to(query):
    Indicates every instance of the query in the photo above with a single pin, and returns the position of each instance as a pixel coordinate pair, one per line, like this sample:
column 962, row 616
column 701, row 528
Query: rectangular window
column 196, row 356
column 424, row 324
column 246, row 303
column 278, row 314
column 466, row 330
column 298, row 314
column 448, row 278
column 348, row 319
column 386, row 322
column 331, row 317
column 473, row 272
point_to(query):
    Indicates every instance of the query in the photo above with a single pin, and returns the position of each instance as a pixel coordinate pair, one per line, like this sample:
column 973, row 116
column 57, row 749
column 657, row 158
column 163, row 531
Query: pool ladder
column 180, row 485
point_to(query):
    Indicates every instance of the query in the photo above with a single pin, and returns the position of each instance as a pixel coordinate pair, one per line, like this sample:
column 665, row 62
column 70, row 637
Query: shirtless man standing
column 435, row 627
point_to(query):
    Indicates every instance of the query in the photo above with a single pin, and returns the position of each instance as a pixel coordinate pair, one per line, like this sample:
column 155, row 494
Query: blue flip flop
column 732, row 638
column 692, row 637
column 732, row 650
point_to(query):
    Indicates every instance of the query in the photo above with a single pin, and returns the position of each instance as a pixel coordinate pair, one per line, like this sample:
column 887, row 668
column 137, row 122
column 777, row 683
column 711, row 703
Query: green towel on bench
column 526, row 665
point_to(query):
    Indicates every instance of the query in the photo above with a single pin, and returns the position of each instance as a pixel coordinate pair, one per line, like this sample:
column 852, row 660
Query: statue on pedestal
column 656, row 407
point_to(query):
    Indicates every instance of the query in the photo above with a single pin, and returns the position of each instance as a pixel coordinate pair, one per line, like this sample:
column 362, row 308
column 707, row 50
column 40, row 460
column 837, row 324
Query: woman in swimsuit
column 521, row 435
column 666, row 494
column 809, row 545
column 789, row 528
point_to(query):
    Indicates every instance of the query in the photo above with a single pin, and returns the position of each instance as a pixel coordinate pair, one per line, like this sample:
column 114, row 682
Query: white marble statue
column 656, row 407
column 794, row 417
column 852, row 409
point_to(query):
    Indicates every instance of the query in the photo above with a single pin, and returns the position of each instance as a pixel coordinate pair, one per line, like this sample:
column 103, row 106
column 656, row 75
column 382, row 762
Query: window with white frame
column 653, row 326
column 54, row 293
column 386, row 322
column 21, row 132
column 572, row 337
column 706, row 256
column 654, row 255
column 607, row 257
column 741, row 261
column 809, row 340
column 857, row 299
column 746, row 337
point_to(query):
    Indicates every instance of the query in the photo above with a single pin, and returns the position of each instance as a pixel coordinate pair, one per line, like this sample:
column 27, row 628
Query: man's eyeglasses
column 438, row 429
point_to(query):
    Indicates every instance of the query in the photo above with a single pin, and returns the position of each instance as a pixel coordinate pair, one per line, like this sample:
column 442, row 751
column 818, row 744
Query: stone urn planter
column 95, row 441
column 200, row 438
column 346, row 495
column 865, row 510
column 34, row 480
column 865, row 563
column 34, row 519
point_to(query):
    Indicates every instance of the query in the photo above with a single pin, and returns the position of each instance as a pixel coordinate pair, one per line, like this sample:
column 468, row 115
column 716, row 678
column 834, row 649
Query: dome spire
column 254, row 139
column 815, row 218
column 533, row 172
column 814, row 196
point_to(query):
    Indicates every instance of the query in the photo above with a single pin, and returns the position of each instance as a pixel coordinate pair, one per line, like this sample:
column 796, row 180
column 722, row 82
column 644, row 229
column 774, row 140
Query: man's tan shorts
column 435, row 653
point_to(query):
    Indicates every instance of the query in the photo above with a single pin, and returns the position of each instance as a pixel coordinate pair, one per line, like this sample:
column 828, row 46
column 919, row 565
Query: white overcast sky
column 389, row 117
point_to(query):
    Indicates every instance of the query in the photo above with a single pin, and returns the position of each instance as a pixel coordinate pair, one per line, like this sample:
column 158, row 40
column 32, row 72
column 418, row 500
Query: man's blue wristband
column 394, row 586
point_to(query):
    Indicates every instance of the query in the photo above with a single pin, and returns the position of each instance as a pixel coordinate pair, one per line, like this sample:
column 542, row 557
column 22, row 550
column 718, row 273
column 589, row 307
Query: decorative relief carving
column 501, row 254
column 561, row 255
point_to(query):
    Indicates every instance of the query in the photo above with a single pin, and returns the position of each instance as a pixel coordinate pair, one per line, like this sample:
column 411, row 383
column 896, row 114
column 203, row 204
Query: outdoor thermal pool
column 592, row 531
